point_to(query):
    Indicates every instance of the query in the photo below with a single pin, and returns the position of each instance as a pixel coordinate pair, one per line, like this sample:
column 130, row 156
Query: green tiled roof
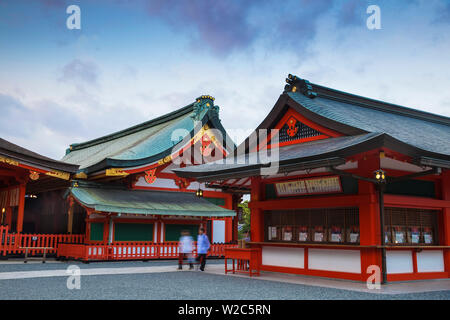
column 120, row 200
column 144, row 143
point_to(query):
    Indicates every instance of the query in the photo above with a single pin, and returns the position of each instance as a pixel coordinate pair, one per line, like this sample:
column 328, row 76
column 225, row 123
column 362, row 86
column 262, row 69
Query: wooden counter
column 246, row 259
column 344, row 246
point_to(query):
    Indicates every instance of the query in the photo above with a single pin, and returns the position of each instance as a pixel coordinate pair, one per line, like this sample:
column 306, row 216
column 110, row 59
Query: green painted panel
column 133, row 232
column 173, row 231
column 217, row 201
column 97, row 231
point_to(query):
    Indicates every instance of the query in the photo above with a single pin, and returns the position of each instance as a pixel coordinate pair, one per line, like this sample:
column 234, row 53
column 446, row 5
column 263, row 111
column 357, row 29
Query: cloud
column 226, row 26
column 80, row 72
column 221, row 24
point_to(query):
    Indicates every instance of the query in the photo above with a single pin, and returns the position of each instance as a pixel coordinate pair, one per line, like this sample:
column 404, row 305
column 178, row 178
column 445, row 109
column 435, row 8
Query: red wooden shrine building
column 337, row 170
column 123, row 198
column 131, row 198
column 23, row 176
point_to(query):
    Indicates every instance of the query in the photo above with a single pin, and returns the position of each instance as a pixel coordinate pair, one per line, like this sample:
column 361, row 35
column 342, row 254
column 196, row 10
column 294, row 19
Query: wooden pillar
column 70, row 216
column 21, row 209
column 106, row 230
column 444, row 220
column 8, row 217
column 369, row 215
column 88, row 225
column 159, row 225
column 256, row 215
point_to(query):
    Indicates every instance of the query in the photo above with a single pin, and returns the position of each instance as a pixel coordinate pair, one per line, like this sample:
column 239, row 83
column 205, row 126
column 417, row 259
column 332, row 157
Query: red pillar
column 106, row 230
column 158, row 231
column 70, row 215
column 369, row 215
column 8, row 218
column 256, row 215
column 21, row 209
column 445, row 219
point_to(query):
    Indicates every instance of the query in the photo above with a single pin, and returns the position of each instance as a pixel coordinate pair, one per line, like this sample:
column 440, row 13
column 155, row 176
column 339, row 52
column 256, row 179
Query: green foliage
column 245, row 218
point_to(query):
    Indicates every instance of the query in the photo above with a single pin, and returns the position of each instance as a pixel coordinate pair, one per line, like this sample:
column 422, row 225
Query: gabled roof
column 308, row 155
column 106, row 198
column 365, row 123
column 146, row 142
column 351, row 114
column 27, row 157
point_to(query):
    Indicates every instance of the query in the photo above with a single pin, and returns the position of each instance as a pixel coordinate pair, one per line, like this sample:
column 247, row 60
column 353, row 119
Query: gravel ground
column 34, row 265
column 180, row 285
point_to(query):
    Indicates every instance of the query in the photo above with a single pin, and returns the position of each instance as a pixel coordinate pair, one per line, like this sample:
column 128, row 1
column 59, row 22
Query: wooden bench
column 36, row 248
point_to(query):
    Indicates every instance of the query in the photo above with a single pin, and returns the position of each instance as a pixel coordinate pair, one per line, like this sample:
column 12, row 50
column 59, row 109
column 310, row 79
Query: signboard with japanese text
column 309, row 186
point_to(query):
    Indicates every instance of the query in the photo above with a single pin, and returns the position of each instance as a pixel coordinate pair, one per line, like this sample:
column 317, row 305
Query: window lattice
column 301, row 131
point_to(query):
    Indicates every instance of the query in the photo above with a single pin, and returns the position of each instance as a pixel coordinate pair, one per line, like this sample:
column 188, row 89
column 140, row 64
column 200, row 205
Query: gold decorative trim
column 9, row 161
column 114, row 172
column 58, row 174
column 81, row 175
column 165, row 160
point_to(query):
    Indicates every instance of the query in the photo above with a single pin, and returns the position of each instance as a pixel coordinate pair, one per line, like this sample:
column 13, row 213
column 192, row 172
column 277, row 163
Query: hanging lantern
column 380, row 176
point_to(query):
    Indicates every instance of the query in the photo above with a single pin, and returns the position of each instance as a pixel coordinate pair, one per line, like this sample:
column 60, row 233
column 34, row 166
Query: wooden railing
column 14, row 243
column 131, row 251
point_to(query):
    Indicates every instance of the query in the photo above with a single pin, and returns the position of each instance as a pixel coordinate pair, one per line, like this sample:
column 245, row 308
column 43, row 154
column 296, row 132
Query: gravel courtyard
column 162, row 281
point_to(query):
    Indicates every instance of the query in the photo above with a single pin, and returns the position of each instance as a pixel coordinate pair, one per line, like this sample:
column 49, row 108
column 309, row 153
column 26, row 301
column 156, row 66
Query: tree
column 245, row 218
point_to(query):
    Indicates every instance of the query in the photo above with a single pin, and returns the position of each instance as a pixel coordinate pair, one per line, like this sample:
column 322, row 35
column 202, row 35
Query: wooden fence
column 72, row 246
column 13, row 243
column 130, row 251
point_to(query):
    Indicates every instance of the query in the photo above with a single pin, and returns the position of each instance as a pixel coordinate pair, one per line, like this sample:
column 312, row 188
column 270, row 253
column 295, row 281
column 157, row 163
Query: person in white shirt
column 185, row 250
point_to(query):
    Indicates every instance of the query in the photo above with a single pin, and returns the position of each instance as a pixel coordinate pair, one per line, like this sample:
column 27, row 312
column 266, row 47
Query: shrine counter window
column 405, row 226
column 331, row 225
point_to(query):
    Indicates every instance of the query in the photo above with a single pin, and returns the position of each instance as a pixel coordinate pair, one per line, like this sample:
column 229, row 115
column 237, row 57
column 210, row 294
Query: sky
column 132, row 61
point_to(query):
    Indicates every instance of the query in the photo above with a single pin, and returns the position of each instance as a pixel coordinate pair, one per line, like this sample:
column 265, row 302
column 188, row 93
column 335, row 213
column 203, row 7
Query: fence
column 13, row 243
column 131, row 251
column 72, row 246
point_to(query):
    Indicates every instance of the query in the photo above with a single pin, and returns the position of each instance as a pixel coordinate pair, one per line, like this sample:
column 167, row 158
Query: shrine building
column 330, row 172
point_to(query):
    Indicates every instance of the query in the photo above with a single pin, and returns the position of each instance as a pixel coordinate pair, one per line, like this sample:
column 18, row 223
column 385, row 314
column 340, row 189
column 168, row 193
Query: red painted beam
column 319, row 202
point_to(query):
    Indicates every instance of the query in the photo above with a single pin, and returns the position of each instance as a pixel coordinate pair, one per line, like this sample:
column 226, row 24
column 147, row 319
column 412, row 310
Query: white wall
column 218, row 231
column 334, row 260
column 283, row 257
column 399, row 261
column 430, row 261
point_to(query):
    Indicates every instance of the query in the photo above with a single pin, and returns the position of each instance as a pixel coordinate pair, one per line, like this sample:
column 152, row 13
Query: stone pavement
column 34, row 269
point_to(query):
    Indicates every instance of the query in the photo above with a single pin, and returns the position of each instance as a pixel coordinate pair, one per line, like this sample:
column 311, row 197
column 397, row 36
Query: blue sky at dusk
column 135, row 60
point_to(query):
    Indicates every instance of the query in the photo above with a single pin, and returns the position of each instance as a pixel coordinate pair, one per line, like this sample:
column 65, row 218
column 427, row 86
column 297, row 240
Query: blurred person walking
column 203, row 246
column 185, row 246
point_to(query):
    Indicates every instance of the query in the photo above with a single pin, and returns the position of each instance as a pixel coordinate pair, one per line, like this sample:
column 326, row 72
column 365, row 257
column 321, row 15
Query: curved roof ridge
column 10, row 149
column 312, row 90
column 382, row 105
column 145, row 125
